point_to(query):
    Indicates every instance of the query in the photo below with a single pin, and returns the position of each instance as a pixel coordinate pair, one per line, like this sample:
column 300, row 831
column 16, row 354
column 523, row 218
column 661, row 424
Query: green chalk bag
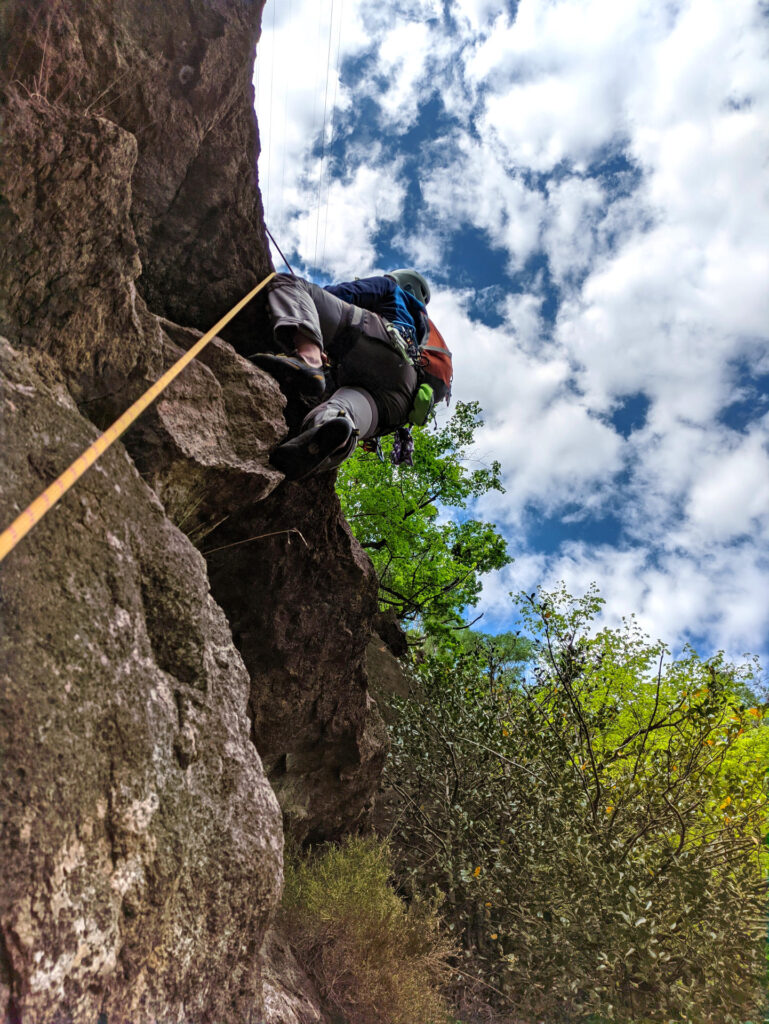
column 424, row 400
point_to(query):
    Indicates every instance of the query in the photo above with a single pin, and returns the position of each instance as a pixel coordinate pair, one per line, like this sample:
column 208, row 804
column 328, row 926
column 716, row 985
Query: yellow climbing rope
column 35, row 512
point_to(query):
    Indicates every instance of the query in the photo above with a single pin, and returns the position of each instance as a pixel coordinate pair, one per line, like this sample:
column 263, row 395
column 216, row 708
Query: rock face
column 142, row 838
column 300, row 598
column 289, row 994
column 177, row 77
column 141, row 841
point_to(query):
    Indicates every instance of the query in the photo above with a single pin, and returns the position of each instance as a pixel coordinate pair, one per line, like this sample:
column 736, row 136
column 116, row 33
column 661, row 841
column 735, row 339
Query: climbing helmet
column 412, row 281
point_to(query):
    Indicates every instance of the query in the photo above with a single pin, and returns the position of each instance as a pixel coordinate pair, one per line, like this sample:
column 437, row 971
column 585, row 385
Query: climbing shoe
column 292, row 373
column 317, row 450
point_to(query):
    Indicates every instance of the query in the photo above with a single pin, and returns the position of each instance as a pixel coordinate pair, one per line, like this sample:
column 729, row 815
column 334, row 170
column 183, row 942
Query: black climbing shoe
column 292, row 373
column 316, row 450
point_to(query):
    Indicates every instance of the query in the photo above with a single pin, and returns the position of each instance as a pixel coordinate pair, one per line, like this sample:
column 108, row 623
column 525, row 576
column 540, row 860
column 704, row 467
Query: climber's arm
column 368, row 292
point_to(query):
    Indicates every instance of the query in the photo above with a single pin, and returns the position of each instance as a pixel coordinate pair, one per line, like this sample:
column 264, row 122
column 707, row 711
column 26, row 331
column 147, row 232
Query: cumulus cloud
column 475, row 187
column 677, row 598
column 613, row 157
column 541, row 430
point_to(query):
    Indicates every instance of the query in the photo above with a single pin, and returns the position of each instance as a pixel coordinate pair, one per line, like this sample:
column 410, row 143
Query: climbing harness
column 51, row 495
column 373, row 445
column 398, row 343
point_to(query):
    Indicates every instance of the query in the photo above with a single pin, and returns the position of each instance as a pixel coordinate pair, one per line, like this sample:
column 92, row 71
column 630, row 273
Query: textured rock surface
column 141, row 839
column 141, row 842
column 69, row 260
column 68, row 281
column 386, row 675
column 300, row 598
column 177, row 77
column 204, row 445
column 289, row 995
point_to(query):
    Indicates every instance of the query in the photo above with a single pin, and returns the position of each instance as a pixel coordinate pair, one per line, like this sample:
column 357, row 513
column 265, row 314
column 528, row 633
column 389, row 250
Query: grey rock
column 290, row 997
column 141, row 846
column 300, row 593
column 141, row 842
column 177, row 76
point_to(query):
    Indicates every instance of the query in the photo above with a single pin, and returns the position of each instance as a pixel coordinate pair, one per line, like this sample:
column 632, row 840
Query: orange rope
column 35, row 512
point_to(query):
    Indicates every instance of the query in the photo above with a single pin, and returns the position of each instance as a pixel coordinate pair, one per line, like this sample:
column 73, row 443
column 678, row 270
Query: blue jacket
column 383, row 296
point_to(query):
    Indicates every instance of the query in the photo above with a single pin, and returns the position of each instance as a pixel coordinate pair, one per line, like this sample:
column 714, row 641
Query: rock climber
column 369, row 339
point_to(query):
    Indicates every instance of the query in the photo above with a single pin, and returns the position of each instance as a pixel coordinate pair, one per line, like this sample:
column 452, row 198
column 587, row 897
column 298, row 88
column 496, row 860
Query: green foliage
column 374, row 960
column 429, row 566
column 595, row 821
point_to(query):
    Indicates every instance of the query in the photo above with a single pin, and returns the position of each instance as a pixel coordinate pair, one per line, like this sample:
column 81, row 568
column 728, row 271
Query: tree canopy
column 593, row 812
column 429, row 556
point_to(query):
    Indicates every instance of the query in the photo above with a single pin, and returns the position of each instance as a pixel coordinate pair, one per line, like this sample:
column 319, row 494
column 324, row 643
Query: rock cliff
column 184, row 635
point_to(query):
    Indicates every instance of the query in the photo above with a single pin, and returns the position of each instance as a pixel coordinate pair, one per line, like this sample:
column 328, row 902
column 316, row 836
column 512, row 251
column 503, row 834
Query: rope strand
column 34, row 512
column 279, row 249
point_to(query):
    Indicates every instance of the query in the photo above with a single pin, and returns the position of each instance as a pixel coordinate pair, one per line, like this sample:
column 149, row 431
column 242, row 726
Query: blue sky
column 585, row 185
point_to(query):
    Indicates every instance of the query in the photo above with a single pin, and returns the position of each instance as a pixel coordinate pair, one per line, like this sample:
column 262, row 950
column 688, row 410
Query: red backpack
column 435, row 366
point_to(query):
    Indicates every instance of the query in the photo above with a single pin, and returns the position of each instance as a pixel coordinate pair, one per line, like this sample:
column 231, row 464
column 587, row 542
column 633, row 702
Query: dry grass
column 375, row 960
column 37, row 58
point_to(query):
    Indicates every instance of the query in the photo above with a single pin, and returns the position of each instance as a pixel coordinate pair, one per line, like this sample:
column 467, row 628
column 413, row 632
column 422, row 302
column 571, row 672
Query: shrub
column 595, row 822
column 374, row 959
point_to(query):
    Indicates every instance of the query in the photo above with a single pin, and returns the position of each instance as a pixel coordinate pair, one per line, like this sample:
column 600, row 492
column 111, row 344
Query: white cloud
column 662, row 266
column 403, row 55
column 477, row 15
column 570, row 235
column 730, row 498
column 296, row 84
column 558, row 76
column 474, row 187
column 542, row 432
column 677, row 598
column 340, row 235
column 523, row 317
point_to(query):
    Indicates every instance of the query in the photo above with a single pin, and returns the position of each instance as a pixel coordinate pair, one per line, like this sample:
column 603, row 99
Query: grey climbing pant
column 357, row 403
column 375, row 383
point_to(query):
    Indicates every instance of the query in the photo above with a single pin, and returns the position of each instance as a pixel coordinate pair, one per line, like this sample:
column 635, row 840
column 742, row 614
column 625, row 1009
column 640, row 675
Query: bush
column 595, row 822
column 375, row 960
column 429, row 559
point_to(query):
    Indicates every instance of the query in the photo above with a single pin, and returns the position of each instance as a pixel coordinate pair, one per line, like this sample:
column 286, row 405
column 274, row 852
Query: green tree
column 594, row 819
column 429, row 563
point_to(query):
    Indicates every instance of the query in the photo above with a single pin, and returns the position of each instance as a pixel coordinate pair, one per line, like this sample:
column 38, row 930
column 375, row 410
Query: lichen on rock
column 141, row 832
column 141, row 841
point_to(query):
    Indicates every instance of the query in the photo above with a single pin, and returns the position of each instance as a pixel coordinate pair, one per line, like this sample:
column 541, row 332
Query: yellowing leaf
column 494, row 935
column 725, row 803
column 755, row 712
column 476, row 872
column 610, row 808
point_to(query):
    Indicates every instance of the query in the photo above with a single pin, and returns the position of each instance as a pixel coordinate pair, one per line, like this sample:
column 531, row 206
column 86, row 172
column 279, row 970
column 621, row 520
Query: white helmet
column 412, row 281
